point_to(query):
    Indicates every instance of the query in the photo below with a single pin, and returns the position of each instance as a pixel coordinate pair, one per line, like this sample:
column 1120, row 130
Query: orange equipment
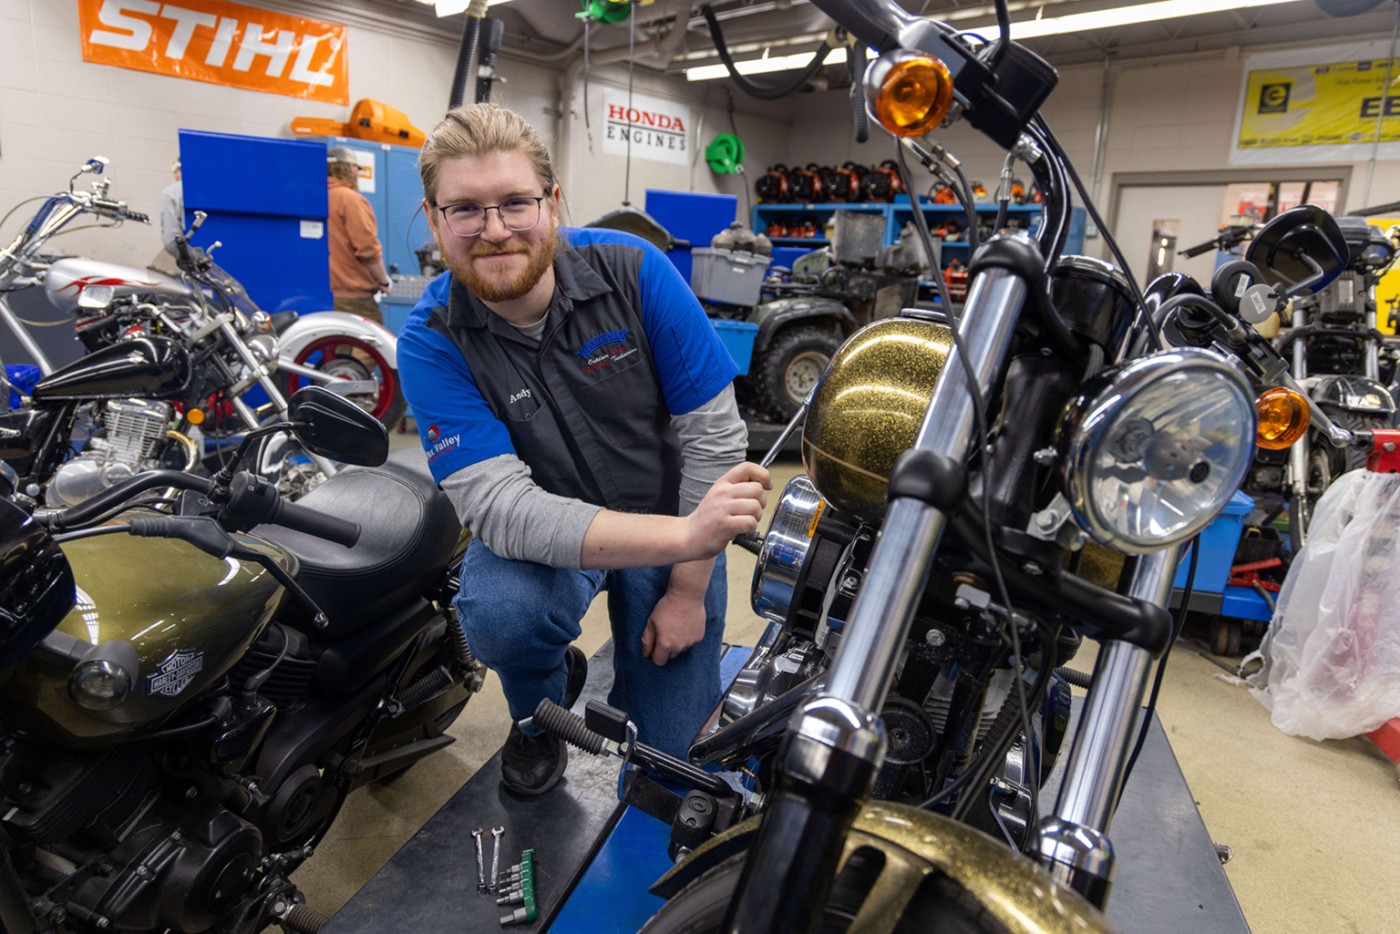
column 369, row 119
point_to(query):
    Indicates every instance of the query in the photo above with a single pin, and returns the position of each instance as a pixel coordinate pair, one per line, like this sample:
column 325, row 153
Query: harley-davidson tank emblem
column 175, row 673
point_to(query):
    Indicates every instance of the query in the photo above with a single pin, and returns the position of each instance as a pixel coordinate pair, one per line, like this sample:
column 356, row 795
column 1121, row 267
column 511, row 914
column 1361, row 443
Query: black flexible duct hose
column 490, row 48
column 1080, row 679
column 762, row 92
column 859, row 118
column 466, row 56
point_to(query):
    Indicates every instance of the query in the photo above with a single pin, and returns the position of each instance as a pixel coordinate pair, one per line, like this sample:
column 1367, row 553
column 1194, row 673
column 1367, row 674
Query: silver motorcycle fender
column 312, row 327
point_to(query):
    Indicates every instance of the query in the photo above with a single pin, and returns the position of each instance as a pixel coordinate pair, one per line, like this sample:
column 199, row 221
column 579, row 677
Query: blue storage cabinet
column 266, row 201
column 692, row 216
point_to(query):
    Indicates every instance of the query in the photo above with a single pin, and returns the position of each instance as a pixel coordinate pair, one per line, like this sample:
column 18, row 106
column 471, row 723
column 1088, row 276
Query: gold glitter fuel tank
column 868, row 409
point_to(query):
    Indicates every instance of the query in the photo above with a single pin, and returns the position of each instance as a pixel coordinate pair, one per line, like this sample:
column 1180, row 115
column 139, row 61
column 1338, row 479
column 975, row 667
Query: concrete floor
column 1314, row 827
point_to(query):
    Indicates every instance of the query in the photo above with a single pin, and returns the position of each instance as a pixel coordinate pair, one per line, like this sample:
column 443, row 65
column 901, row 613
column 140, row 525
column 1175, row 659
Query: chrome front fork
column 836, row 741
column 1073, row 842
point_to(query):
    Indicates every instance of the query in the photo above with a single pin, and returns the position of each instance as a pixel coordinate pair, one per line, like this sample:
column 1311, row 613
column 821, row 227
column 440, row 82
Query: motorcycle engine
column 132, row 430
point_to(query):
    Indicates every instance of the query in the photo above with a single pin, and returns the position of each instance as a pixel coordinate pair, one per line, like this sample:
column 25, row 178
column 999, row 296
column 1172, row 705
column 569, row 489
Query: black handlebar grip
column 138, row 216
column 332, row 529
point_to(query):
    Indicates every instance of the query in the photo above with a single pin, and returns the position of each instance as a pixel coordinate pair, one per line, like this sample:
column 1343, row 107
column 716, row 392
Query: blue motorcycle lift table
column 595, row 858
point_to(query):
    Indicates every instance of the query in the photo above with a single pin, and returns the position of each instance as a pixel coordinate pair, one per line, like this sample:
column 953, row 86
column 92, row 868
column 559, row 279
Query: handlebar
column 319, row 524
column 249, row 500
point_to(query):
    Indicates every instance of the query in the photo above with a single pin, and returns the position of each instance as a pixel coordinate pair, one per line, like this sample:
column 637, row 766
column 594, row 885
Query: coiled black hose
column 751, row 542
column 760, row 91
column 1080, row 679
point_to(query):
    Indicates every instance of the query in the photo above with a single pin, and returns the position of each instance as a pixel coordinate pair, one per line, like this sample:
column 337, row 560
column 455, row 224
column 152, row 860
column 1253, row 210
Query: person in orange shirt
column 357, row 259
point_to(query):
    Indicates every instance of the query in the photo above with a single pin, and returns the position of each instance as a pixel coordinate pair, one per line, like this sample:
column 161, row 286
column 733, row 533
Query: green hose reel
column 605, row 11
column 725, row 154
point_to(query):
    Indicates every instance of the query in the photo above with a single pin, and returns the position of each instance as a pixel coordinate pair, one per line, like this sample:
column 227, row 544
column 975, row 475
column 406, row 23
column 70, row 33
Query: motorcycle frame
column 835, row 741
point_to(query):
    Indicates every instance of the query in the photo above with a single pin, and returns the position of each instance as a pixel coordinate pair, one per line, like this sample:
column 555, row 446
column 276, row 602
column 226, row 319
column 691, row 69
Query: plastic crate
column 727, row 276
column 1218, row 543
column 738, row 338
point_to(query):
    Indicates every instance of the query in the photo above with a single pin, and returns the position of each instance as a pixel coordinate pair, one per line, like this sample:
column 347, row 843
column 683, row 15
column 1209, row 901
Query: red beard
column 497, row 287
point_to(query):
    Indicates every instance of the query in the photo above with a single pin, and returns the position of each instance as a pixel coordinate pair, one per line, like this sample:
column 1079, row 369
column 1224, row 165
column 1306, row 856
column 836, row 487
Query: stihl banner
column 221, row 43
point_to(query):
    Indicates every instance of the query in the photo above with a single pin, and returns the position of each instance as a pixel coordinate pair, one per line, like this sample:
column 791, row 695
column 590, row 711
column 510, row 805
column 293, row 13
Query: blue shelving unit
column 896, row 213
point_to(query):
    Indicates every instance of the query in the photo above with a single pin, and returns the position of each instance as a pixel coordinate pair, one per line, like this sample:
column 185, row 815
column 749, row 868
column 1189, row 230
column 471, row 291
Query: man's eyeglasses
column 469, row 220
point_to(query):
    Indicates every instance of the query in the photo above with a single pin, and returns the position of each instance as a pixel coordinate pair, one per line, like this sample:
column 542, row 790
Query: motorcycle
column 168, row 763
column 1336, row 354
column 982, row 491
column 232, row 348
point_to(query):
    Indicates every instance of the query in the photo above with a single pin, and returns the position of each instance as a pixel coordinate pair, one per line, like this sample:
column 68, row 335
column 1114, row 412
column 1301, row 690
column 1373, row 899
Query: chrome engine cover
column 133, row 429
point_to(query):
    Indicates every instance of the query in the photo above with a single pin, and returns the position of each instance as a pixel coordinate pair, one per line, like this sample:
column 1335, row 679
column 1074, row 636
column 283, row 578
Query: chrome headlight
column 1152, row 450
column 784, row 552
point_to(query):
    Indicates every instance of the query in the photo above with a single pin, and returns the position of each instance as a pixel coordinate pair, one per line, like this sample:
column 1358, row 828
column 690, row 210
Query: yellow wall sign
column 1320, row 105
column 221, row 43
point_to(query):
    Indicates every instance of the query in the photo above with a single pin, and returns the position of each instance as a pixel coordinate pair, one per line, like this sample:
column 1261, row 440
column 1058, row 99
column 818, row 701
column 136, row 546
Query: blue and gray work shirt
column 588, row 408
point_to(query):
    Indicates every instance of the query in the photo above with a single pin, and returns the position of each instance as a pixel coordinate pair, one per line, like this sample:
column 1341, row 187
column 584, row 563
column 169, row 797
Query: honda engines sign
column 645, row 127
column 221, row 43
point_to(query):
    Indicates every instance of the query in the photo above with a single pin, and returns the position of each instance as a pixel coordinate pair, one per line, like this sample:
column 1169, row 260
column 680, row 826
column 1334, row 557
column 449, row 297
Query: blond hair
column 476, row 130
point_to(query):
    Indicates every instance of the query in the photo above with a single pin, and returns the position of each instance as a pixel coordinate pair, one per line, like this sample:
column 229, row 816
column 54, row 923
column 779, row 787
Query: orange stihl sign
column 219, row 42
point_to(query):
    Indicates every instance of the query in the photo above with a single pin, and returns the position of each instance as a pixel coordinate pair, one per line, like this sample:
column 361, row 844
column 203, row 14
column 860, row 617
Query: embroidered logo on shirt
column 434, row 451
column 606, row 349
column 433, row 433
column 522, row 394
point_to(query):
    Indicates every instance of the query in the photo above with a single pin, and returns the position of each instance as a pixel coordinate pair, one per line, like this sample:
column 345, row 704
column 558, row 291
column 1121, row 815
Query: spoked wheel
column 349, row 358
column 930, row 873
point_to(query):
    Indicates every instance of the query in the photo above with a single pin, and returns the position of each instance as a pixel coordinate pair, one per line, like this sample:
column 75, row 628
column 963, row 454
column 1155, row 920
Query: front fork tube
column 279, row 401
column 1073, row 843
column 836, row 741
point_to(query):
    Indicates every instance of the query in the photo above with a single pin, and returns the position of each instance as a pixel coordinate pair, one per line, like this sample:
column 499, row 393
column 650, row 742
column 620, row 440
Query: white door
column 1144, row 211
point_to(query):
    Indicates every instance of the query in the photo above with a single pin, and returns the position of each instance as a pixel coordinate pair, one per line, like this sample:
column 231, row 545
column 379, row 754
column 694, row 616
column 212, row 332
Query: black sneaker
column 531, row 765
column 575, row 673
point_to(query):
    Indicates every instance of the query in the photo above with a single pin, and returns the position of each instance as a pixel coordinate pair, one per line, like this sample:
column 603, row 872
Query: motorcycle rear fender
column 1353, row 394
column 772, row 317
column 1008, row 886
column 310, row 328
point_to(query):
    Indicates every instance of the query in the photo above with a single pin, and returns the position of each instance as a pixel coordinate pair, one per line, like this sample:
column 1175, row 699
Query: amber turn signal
column 911, row 92
column 195, row 417
column 1283, row 417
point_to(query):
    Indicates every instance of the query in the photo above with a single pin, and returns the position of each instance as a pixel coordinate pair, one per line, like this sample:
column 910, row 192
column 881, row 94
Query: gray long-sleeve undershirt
column 498, row 501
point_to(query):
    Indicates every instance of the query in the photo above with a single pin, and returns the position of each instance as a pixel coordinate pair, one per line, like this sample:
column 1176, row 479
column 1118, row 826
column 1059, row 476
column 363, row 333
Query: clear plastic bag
column 1332, row 654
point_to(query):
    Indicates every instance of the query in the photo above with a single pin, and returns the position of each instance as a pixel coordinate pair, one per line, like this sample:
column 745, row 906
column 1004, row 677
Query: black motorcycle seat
column 408, row 531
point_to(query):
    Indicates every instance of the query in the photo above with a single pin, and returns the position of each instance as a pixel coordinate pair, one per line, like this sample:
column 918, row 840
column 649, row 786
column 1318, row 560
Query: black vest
column 584, row 406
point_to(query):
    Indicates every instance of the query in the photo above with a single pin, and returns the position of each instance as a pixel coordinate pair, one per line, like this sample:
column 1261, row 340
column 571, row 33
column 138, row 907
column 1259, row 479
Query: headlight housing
column 1152, row 450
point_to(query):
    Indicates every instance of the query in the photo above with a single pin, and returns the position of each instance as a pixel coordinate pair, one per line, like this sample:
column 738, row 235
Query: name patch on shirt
column 605, row 351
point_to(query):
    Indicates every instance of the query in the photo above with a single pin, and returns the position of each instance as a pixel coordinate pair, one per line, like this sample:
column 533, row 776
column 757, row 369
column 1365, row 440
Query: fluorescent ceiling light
column 453, row 7
column 758, row 66
column 1028, row 29
column 1128, row 16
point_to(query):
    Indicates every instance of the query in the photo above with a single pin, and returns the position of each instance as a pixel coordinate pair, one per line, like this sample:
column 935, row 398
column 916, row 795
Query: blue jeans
column 519, row 618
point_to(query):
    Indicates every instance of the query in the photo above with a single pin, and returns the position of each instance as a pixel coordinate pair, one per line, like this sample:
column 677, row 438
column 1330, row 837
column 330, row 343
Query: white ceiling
column 551, row 28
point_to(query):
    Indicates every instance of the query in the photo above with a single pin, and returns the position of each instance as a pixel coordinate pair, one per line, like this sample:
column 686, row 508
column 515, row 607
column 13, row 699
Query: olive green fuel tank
column 188, row 616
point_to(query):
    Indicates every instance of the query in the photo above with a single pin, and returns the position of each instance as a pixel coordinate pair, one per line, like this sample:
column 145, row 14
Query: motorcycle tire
column 346, row 357
column 789, row 368
column 940, row 905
